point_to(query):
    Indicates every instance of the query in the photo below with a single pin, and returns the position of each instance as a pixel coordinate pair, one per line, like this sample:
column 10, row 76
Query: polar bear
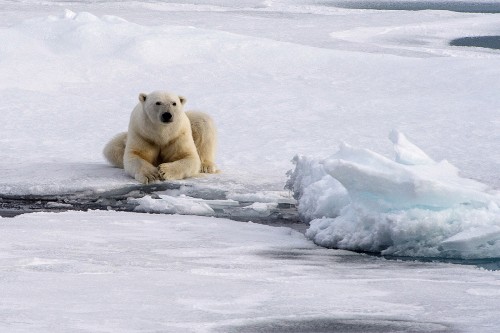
column 163, row 141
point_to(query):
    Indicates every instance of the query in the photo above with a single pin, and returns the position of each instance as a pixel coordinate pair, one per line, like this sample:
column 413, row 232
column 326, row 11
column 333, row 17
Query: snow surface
column 71, row 78
column 280, row 78
column 104, row 271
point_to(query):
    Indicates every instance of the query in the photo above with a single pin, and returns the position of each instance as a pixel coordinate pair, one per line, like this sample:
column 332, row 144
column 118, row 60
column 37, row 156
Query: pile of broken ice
column 413, row 206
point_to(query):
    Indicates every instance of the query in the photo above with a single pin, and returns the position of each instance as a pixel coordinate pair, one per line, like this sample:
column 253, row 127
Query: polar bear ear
column 142, row 97
column 182, row 99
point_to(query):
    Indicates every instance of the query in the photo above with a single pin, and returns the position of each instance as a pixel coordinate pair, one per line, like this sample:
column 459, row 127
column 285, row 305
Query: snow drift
column 413, row 206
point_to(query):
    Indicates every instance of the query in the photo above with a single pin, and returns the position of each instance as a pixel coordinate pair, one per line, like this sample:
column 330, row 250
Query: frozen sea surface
column 133, row 272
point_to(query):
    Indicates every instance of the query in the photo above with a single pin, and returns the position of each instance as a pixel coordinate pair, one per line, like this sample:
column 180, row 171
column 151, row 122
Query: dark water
column 455, row 6
column 492, row 264
column 490, row 42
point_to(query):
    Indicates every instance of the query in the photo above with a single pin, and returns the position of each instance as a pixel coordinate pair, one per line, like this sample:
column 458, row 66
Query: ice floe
column 360, row 200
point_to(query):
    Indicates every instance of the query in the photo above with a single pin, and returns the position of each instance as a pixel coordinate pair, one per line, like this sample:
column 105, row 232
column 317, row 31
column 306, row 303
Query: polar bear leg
column 147, row 174
column 139, row 158
column 115, row 149
column 180, row 169
column 140, row 169
column 205, row 139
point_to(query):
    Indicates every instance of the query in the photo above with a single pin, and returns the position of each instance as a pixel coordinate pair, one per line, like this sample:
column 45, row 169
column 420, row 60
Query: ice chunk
column 171, row 205
column 360, row 200
column 58, row 205
column 407, row 152
column 324, row 198
column 260, row 196
column 219, row 204
column 385, row 184
column 412, row 232
column 478, row 239
column 69, row 14
column 256, row 210
column 306, row 172
column 318, row 193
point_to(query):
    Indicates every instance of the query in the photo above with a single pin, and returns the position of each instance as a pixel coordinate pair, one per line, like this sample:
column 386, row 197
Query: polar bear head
column 162, row 107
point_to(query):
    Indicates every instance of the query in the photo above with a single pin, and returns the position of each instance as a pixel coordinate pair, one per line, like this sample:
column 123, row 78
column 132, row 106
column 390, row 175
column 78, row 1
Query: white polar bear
column 163, row 141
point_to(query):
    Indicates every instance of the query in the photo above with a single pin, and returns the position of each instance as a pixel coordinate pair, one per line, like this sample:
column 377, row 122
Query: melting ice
column 410, row 206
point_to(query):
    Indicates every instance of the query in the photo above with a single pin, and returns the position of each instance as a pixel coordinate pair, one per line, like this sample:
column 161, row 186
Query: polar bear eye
column 174, row 104
column 158, row 103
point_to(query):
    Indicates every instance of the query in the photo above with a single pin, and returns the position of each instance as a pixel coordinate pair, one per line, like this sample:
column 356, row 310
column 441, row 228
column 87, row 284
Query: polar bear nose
column 166, row 117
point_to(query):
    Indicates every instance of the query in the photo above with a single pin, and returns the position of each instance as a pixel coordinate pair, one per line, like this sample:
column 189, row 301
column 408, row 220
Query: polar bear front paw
column 168, row 172
column 148, row 175
column 208, row 167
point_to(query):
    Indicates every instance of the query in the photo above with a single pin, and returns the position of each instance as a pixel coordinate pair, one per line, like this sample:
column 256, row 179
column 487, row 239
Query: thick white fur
column 154, row 150
column 205, row 139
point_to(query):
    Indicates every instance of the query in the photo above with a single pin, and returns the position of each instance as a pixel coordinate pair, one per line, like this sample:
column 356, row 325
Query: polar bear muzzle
column 166, row 117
